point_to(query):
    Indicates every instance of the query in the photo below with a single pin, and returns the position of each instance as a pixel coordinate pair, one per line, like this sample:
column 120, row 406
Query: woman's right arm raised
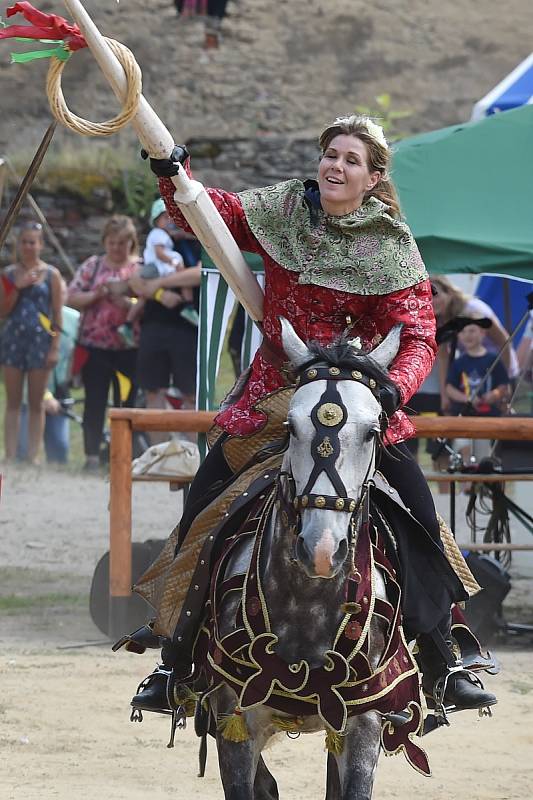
column 227, row 203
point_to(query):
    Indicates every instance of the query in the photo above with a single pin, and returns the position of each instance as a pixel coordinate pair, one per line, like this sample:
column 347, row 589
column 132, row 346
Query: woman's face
column 344, row 176
column 117, row 248
column 30, row 245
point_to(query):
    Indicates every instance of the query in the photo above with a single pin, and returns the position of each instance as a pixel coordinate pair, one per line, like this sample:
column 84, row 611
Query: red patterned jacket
column 319, row 313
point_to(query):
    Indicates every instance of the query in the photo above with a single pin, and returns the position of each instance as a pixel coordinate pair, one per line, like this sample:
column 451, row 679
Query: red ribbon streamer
column 43, row 26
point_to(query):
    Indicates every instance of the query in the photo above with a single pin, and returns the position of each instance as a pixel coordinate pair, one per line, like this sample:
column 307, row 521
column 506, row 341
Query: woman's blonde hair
column 121, row 225
column 378, row 155
column 457, row 299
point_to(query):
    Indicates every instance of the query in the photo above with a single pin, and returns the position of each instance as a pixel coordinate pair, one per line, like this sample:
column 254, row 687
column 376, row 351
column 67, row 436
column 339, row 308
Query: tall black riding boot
column 444, row 679
column 156, row 691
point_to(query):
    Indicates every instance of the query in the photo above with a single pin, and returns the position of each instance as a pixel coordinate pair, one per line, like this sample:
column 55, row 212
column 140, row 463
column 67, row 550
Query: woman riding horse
column 337, row 257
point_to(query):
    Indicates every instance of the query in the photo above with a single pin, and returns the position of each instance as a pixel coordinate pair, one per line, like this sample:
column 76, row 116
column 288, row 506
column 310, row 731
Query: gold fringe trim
column 334, row 742
column 288, row 724
column 233, row 727
column 455, row 557
column 184, row 696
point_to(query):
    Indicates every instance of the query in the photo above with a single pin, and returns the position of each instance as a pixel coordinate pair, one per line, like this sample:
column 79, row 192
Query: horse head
column 334, row 421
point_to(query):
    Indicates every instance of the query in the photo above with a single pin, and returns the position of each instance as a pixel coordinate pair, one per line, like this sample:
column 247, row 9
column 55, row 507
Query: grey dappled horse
column 303, row 586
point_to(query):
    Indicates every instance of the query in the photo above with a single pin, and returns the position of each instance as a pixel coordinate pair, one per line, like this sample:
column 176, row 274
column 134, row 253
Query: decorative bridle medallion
column 330, row 414
column 325, row 448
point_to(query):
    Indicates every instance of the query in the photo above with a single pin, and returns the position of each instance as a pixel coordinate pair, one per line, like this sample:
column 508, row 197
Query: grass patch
column 16, row 604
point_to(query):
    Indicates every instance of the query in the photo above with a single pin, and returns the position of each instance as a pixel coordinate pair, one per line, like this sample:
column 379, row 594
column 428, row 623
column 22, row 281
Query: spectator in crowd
column 525, row 348
column 167, row 350
column 215, row 11
column 100, row 291
column 525, row 354
column 475, row 384
column 160, row 259
column 30, row 299
column 450, row 302
column 57, row 422
column 186, row 244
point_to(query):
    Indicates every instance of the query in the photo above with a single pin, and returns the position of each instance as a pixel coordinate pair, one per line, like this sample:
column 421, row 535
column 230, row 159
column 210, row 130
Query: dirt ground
column 64, row 728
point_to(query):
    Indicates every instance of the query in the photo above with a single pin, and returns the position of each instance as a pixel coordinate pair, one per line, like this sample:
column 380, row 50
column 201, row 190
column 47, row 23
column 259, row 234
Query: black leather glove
column 390, row 400
column 167, row 167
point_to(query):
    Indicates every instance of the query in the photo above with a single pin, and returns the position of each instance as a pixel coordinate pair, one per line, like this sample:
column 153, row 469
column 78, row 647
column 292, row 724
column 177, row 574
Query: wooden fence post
column 120, row 526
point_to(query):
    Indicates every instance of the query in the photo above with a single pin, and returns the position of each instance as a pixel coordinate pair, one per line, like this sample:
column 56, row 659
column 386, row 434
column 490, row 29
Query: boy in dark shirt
column 469, row 387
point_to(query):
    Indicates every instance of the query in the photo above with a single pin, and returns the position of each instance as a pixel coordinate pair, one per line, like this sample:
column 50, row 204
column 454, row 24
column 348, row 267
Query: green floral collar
column 365, row 252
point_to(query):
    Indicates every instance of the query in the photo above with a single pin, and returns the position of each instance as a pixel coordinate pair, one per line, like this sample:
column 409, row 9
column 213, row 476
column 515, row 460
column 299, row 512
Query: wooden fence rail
column 124, row 421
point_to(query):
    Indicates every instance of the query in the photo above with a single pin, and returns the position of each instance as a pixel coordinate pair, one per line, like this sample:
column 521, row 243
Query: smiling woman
column 338, row 261
column 30, row 299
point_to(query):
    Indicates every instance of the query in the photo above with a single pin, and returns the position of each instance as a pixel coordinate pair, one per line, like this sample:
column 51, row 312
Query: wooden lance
column 191, row 196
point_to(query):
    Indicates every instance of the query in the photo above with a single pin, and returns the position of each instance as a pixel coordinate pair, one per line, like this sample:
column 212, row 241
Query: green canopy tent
column 467, row 194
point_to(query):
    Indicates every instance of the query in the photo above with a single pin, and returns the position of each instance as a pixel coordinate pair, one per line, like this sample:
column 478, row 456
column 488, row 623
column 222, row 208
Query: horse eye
column 372, row 433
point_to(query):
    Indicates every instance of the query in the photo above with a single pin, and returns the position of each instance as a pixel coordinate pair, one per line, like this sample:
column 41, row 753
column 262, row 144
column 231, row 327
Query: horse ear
column 386, row 351
column 296, row 351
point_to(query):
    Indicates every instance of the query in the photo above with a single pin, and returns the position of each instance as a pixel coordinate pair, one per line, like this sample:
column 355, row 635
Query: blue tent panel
column 515, row 90
column 491, row 289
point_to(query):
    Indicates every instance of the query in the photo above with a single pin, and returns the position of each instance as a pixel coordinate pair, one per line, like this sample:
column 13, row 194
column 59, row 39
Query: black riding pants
column 401, row 470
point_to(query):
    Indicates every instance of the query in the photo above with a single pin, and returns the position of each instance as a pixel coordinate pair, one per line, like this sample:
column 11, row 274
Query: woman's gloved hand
column 167, row 167
column 390, row 399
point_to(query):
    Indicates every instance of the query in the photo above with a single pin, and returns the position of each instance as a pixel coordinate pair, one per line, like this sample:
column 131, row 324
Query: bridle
column 328, row 416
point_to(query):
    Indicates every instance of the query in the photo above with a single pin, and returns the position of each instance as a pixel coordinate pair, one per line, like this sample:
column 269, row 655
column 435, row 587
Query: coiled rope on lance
column 85, row 127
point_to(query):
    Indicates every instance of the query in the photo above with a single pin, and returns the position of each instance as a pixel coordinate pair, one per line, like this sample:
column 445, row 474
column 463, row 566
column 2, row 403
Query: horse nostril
column 302, row 553
column 342, row 552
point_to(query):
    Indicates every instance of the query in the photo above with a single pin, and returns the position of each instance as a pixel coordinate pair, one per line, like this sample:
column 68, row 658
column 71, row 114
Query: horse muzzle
column 320, row 553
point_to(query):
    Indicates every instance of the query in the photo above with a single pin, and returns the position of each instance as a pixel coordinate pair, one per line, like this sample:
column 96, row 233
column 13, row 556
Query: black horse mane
column 342, row 354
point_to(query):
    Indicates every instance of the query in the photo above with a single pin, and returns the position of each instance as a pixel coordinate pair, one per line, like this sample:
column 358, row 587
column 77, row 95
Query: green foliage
column 385, row 115
column 139, row 189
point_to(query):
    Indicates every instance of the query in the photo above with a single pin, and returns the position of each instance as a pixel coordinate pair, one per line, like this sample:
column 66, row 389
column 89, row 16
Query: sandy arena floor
column 64, row 728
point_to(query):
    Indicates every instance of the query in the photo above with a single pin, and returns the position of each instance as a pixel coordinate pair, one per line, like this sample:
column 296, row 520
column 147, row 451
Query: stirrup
column 435, row 700
column 136, row 714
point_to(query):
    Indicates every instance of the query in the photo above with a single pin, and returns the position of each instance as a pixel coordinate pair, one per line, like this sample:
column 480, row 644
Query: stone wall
column 232, row 164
